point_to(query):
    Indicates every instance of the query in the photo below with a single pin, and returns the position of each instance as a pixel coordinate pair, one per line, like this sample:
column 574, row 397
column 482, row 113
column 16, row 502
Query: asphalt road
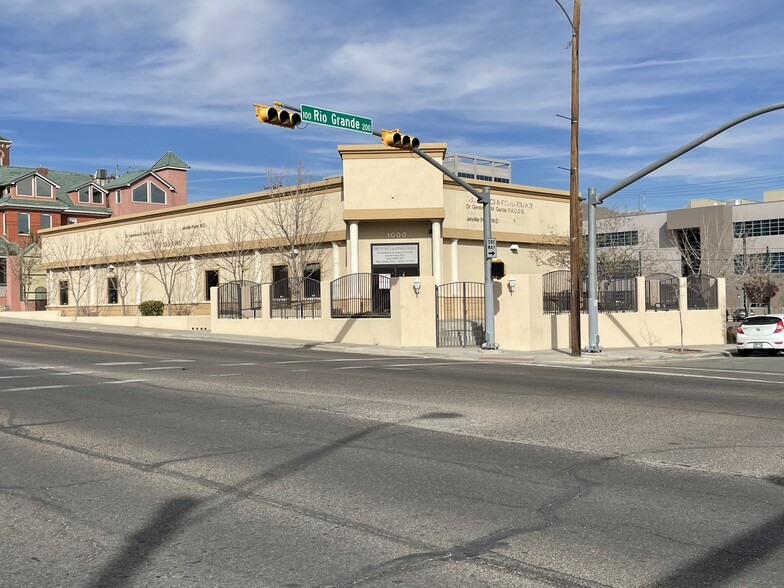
column 157, row 461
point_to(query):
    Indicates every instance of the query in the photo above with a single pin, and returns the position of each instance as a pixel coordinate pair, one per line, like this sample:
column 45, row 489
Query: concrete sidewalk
column 551, row 356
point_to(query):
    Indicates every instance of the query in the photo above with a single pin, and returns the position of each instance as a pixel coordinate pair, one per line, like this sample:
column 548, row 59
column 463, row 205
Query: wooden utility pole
column 575, row 216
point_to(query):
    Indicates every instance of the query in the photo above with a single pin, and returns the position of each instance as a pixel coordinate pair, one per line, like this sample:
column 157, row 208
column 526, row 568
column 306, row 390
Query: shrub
column 151, row 308
column 732, row 335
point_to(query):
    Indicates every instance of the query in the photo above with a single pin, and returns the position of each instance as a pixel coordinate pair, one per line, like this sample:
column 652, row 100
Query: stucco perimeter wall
column 520, row 323
column 412, row 323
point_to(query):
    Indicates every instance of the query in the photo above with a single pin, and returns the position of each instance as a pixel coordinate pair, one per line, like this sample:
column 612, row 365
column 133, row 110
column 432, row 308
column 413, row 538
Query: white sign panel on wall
column 395, row 254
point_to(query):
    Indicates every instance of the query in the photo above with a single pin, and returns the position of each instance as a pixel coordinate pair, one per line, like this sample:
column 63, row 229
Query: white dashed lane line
column 234, row 364
column 111, row 363
column 12, row 377
column 161, row 367
column 36, row 388
column 176, row 361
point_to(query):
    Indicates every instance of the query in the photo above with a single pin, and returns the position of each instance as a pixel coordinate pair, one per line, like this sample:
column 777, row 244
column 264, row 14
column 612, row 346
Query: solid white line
column 431, row 363
column 34, row 388
column 675, row 374
column 334, row 360
column 720, row 370
column 234, row 364
column 163, row 367
column 120, row 363
column 12, row 377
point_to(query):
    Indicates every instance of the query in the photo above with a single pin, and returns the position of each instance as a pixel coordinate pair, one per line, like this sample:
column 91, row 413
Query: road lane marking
column 71, row 373
column 234, row 364
column 336, row 360
column 29, row 369
column 674, row 374
column 163, row 367
column 12, row 377
column 403, row 365
column 222, row 375
column 120, row 363
column 72, row 348
column 176, row 361
column 695, row 369
column 123, row 381
column 35, row 388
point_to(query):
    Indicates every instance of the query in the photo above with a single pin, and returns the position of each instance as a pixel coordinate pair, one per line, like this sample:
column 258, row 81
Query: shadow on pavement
column 729, row 559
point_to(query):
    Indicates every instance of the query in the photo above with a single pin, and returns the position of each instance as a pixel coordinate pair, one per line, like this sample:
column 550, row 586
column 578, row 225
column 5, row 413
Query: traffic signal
column 394, row 138
column 497, row 269
column 277, row 116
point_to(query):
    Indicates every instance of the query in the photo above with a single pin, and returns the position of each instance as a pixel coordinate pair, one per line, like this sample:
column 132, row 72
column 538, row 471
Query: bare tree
column 123, row 271
column 166, row 251
column 73, row 258
column 231, row 241
column 26, row 263
column 293, row 225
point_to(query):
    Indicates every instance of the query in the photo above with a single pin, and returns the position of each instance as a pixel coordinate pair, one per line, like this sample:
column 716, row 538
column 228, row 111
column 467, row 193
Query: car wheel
column 743, row 353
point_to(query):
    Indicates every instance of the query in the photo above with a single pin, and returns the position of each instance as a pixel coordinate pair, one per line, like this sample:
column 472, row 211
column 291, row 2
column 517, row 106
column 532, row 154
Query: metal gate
column 460, row 314
column 240, row 299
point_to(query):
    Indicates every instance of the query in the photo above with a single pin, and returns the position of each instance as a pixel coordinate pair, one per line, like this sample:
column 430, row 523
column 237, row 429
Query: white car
column 761, row 333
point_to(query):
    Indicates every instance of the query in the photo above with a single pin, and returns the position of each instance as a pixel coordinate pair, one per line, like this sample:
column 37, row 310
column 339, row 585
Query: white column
column 435, row 245
column 335, row 260
column 138, row 276
column 353, row 240
column 50, row 289
column 91, row 287
column 194, row 279
column 455, row 261
column 257, row 266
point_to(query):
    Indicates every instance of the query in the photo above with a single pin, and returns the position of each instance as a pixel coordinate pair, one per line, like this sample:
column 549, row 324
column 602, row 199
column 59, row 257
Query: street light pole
column 575, row 216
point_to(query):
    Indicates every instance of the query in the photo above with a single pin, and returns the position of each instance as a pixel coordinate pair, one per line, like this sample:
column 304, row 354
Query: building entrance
column 392, row 261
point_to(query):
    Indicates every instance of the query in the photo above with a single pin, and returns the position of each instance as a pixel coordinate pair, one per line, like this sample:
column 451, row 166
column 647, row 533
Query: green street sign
column 341, row 120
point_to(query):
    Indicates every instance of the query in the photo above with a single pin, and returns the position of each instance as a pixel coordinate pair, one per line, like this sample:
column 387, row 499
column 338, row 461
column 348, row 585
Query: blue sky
column 110, row 84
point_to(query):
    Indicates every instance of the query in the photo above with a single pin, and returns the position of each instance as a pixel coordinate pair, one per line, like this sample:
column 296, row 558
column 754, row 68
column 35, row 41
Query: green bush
column 151, row 308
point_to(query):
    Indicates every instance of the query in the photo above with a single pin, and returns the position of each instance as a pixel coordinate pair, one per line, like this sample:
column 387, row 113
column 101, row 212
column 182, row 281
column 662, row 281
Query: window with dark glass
column 25, row 187
column 148, row 192
column 24, row 223
column 139, row 193
column 43, row 189
column 63, row 292
column 157, row 196
column 313, row 280
column 111, row 290
column 211, row 280
column 97, row 196
column 46, row 221
column 3, row 275
column 280, row 282
column 84, row 195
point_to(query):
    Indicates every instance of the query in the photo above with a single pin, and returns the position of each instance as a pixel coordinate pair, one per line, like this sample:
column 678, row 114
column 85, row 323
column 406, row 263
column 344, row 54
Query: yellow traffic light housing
column 497, row 269
column 394, row 138
column 277, row 116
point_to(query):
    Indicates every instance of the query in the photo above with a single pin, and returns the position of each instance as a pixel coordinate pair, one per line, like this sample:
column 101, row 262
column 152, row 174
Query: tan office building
column 390, row 213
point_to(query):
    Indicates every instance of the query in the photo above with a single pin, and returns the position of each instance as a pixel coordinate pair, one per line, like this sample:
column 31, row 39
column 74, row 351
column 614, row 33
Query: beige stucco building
column 384, row 241
column 389, row 213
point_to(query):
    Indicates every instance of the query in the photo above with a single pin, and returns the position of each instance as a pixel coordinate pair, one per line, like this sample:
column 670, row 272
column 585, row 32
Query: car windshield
column 762, row 320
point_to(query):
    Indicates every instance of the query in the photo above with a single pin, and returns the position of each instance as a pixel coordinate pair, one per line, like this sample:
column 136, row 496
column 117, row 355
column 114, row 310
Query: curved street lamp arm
column 685, row 149
column 566, row 14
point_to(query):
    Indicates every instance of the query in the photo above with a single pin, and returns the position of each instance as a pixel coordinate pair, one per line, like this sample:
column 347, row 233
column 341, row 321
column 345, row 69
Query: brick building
column 32, row 199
